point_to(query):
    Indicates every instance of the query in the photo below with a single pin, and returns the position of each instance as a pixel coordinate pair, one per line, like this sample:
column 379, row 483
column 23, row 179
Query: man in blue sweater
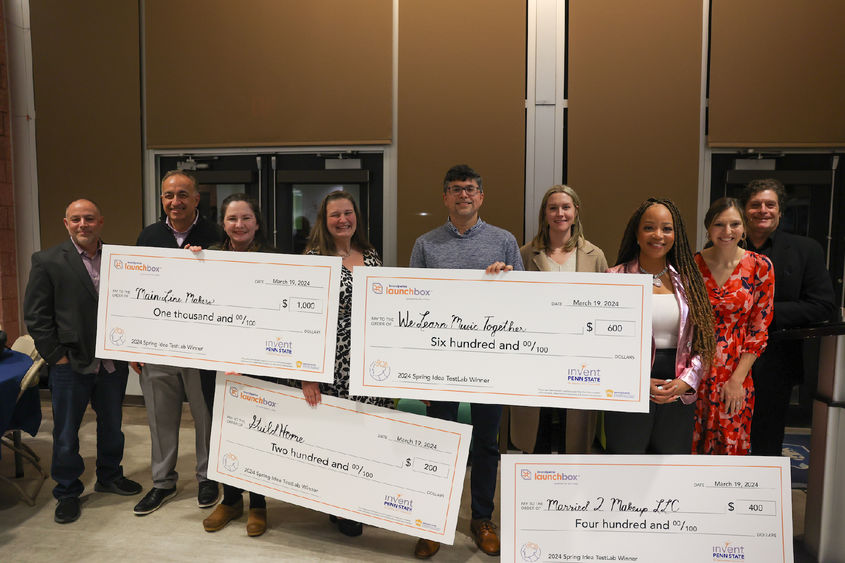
column 467, row 242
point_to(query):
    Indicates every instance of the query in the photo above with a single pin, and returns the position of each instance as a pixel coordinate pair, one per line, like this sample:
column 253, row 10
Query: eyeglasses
column 470, row 190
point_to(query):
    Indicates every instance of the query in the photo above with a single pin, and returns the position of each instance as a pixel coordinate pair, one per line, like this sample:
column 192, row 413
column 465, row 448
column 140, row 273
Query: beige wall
column 634, row 98
column 86, row 66
column 461, row 100
column 634, row 87
column 777, row 73
column 268, row 72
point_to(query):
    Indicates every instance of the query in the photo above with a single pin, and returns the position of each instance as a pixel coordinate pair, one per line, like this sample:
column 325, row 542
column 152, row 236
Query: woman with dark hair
column 558, row 246
column 740, row 285
column 242, row 232
column 339, row 231
column 655, row 242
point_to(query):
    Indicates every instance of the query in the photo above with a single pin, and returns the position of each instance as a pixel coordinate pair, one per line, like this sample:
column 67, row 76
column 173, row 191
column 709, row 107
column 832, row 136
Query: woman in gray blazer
column 559, row 246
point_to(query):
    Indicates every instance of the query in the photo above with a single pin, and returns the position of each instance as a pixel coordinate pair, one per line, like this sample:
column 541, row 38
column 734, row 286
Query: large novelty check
column 391, row 469
column 261, row 313
column 646, row 508
column 521, row 338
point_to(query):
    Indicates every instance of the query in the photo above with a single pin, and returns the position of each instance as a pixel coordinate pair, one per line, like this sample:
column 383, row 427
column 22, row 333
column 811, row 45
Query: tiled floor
column 108, row 531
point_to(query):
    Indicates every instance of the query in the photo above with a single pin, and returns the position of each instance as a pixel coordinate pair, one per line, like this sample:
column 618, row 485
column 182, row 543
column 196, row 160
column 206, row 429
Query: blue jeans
column 71, row 393
column 485, row 451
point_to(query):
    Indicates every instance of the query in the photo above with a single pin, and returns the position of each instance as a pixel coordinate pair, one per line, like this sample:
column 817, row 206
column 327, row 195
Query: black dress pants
column 664, row 429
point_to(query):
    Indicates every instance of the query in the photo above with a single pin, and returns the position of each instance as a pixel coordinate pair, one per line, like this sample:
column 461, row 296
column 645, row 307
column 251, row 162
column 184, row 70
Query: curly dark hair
column 680, row 258
column 756, row 186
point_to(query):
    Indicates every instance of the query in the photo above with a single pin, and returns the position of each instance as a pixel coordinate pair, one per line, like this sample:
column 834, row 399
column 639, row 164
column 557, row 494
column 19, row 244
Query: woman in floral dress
column 740, row 285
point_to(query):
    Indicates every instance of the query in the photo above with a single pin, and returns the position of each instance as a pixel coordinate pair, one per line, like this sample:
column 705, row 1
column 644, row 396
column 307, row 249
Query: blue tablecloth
column 14, row 414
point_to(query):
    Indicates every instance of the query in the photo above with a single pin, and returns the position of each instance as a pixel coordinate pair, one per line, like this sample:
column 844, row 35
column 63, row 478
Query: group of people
column 711, row 315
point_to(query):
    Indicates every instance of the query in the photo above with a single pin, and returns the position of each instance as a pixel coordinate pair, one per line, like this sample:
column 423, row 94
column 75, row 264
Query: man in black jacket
column 60, row 310
column 803, row 295
column 164, row 386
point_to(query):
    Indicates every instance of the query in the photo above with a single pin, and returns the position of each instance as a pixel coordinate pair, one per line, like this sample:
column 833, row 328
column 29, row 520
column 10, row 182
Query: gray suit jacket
column 60, row 306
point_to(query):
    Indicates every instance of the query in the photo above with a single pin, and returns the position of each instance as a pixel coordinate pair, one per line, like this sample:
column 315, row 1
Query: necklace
column 655, row 277
column 343, row 254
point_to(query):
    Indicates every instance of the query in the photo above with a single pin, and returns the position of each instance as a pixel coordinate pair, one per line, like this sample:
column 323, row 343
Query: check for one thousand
column 263, row 314
column 573, row 340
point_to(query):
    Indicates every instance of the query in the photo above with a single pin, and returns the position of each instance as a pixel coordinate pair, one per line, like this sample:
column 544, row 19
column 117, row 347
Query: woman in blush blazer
column 559, row 246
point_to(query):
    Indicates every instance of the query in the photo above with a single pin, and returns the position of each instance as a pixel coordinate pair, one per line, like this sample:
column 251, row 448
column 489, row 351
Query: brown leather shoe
column 426, row 548
column 486, row 538
column 222, row 515
column 256, row 522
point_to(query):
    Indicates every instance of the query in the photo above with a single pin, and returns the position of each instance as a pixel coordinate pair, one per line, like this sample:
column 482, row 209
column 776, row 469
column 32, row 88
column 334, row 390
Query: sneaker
column 67, row 510
column 208, row 494
column 153, row 500
column 120, row 486
column 486, row 538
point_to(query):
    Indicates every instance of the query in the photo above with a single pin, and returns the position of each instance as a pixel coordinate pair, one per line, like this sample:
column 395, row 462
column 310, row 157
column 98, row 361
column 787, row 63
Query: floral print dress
column 742, row 310
column 340, row 386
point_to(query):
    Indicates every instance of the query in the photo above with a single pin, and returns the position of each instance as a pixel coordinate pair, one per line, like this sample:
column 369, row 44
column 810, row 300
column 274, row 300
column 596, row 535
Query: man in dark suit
column 60, row 310
column 165, row 386
column 803, row 295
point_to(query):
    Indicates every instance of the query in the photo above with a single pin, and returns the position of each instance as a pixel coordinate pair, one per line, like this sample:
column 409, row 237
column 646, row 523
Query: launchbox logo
column 554, row 476
column 402, row 289
column 256, row 398
column 135, row 266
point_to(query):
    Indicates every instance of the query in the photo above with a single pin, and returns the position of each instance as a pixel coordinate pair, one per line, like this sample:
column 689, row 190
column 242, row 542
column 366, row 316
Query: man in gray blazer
column 60, row 311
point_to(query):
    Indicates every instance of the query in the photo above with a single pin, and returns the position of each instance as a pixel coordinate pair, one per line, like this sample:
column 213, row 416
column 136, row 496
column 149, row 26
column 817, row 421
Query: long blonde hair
column 541, row 240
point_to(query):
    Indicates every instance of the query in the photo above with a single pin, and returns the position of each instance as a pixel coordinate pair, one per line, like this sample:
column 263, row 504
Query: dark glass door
column 288, row 187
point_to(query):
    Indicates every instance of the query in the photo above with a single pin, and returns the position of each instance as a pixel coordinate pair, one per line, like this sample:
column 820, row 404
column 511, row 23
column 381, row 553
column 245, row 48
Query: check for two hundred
column 646, row 508
column 248, row 312
column 391, row 469
column 579, row 340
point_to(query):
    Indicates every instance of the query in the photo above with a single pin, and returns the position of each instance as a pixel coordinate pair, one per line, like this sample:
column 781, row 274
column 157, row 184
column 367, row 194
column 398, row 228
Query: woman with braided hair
column 655, row 242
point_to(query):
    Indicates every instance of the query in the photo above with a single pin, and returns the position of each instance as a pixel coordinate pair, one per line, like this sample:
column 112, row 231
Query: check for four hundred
column 646, row 508
column 391, row 469
column 578, row 340
column 261, row 313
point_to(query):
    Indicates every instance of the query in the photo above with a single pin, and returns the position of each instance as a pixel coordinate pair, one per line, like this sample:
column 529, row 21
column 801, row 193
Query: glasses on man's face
column 456, row 190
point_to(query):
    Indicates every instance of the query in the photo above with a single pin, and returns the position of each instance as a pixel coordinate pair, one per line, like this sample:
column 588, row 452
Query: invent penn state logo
column 525, row 474
column 379, row 370
column 117, row 336
column 118, row 264
column 377, row 288
column 233, row 391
